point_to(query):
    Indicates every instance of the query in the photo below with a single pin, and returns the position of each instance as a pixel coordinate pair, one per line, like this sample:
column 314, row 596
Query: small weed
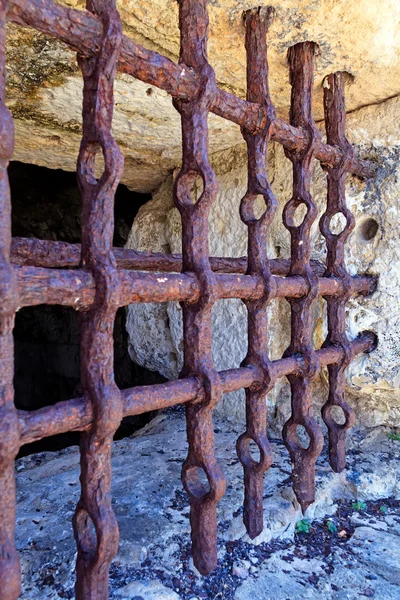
column 359, row 506
column 331, row 526
column 303, row 526
column 394, row 436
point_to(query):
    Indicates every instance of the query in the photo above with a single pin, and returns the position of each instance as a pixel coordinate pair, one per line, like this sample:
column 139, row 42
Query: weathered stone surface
column 380, row 550
column 45, row 86
column 147, row 590
column 152, row 513
column 281, row 580
column 145, row 125
column 373, row 380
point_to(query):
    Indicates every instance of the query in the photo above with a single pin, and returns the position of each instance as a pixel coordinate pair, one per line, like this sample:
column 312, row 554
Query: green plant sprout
column 359, row 505
column 303, row 526
column 331, row 526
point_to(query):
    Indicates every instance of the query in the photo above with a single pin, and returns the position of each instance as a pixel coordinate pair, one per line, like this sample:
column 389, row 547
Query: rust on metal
column 96, row 279
column 47, row 253
column 201, row 475
column 95, row 526
column 77, row 414
column 10, row 579
column 335, row 119
column 256, row 22
column 301, row 62
column 82, row 32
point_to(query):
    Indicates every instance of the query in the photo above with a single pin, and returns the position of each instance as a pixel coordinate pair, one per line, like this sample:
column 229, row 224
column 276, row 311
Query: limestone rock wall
column 373, row 381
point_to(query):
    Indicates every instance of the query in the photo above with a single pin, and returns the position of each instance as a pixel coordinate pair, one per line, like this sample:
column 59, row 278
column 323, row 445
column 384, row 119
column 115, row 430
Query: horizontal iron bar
column 82, row 31
column 76, row 414
column 76, row 287
column 49, row 254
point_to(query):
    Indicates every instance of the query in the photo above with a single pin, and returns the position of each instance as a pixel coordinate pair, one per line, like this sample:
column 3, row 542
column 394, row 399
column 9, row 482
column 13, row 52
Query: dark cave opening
column 46, row 204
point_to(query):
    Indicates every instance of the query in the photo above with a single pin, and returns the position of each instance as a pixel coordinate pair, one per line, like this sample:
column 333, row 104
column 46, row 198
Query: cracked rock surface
column 352, row 549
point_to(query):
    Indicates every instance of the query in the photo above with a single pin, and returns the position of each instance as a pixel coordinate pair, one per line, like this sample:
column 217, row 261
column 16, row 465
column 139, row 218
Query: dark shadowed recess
column 46, row 204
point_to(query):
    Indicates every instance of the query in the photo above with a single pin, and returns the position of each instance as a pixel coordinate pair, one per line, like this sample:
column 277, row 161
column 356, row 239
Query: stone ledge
column 152, row 512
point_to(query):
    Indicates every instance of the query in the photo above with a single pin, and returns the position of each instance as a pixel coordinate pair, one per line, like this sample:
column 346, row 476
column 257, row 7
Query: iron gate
column 99, row 279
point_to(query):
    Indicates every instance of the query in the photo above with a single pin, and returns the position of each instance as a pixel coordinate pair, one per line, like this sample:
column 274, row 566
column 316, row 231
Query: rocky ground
column 346, row 547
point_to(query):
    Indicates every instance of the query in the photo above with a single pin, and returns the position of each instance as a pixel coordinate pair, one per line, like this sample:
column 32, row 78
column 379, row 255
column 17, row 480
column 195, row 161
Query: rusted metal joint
column 9, row 292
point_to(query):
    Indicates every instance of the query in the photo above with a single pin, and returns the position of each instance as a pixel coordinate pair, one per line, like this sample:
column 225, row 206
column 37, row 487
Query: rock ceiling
column 44, row 84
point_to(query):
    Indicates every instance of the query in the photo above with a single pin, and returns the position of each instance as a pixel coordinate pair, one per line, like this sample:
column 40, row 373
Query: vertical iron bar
column 95, row 525
column 256, row 23
column 335, row 120
column 301, row 64
column 10, row 578
column 200, row 463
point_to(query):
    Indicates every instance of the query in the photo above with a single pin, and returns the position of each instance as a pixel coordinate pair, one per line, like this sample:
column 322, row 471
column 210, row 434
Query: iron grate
column 100, row 279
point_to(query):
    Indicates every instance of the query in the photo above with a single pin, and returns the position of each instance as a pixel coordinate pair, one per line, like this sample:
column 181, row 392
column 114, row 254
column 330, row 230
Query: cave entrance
column 47, row 205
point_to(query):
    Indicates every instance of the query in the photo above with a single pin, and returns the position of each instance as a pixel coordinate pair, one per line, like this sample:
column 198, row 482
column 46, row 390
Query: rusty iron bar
column 82, row 31
column 201, row 475
column 106, row 279
column 77, row 288
column 256, row 22
column 301, row 66
column 10, row 577
column 47, row 253
column 77, row 414
column 335, row 118
column 95, row 525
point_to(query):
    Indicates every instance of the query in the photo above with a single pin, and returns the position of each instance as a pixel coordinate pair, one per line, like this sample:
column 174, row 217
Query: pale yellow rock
column 44, row 92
